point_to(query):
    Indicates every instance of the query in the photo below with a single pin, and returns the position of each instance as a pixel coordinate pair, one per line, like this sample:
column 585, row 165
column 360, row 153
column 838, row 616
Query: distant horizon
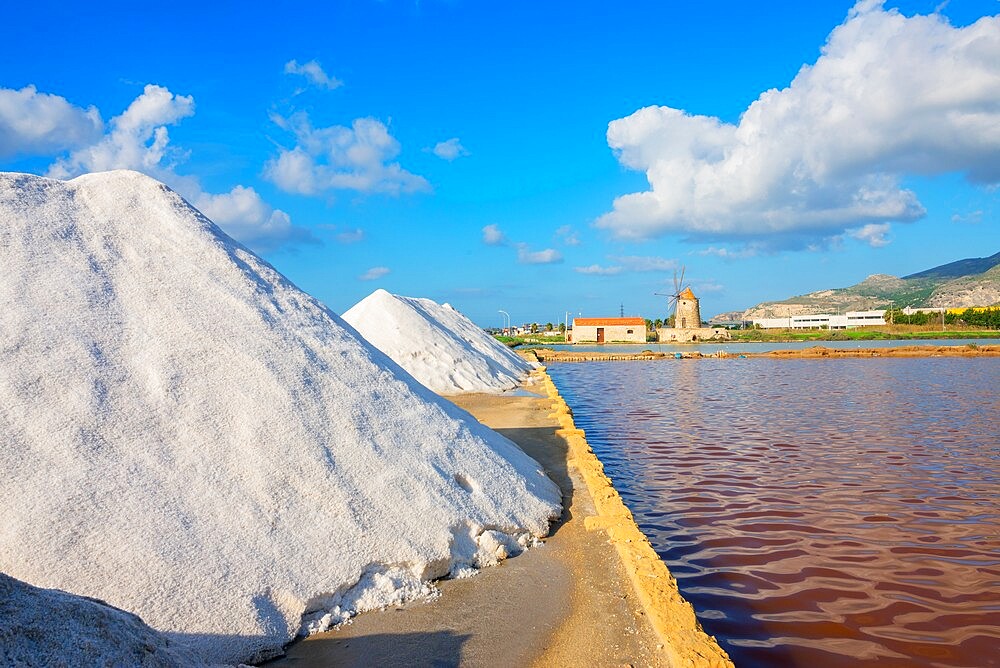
column 550, row 161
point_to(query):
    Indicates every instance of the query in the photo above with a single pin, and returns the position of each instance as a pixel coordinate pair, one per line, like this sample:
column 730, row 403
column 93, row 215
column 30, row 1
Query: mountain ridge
column 958, row 284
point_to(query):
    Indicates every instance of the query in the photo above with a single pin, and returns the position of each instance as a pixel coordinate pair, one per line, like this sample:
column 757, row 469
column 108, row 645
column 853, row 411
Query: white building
column 848, row 320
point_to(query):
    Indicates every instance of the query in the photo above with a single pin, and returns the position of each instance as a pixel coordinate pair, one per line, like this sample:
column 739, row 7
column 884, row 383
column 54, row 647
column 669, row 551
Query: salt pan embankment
column 191, row 438
column 438, row 345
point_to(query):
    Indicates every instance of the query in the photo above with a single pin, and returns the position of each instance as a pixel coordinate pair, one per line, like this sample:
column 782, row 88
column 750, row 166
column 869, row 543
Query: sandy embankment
column 571, row 602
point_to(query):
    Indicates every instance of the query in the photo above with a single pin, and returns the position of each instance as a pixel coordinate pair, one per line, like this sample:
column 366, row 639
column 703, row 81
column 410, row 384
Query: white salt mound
column 48, row 627
column 189, row 437
column 439, row 346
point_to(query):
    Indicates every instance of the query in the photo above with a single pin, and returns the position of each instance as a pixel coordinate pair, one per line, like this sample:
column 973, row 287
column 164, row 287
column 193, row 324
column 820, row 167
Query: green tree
column 534, row 328
column 895, row 316
column 562, row 328
column 658, row 323
column 548, row 327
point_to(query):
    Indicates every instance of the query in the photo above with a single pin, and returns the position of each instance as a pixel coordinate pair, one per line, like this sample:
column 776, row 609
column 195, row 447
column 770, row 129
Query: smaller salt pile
column 438, row 345
column 189, row 437
column 48, row 627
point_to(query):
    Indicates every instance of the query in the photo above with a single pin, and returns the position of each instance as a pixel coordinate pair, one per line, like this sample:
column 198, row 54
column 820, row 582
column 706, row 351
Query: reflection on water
column 815, row 512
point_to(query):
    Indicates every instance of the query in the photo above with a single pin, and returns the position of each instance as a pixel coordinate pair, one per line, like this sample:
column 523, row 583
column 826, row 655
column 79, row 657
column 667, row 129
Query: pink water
column 815, row 512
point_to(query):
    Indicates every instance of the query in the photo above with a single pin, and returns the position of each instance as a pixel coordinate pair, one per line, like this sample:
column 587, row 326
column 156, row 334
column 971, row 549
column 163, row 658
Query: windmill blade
column 677, row 284
column 681, row 282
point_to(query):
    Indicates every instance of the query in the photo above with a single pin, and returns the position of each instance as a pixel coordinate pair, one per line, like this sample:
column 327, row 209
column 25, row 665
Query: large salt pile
column 48, row 627
column 439, row 346
column 191, row 438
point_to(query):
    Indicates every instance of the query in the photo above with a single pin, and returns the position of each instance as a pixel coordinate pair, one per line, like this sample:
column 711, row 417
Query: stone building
column 688, row 314
column 607, row 330
column 687, row 323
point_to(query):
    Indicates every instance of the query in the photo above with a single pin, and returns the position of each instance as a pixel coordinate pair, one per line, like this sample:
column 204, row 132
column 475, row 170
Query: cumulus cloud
column 598, row 270
column 33, row 123
column 358, row 158
column 492, row 236
column 527, row 256
column 645, row 263
column 449, row 150
column 313, row 71
column 138, row 139
column 374, row 274
column 888, row 97
column 873, row 234
column 245, row 216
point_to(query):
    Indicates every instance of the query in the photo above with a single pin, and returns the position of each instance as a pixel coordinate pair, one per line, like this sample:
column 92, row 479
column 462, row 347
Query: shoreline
column 547, row 355
column 591, row 594
column 684, row 642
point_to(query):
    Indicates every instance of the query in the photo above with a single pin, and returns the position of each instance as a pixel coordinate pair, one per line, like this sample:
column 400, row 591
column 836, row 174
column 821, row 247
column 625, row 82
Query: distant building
column 688, row 314
column 848, row 320
column 687, row 323
column 606, row 330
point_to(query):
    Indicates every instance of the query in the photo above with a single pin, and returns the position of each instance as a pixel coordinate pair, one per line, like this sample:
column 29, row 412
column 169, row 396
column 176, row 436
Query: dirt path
column 567, row 603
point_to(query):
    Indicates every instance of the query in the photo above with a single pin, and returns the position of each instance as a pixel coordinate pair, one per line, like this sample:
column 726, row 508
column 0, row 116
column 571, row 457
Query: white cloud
column 33, row 123
column 138, row 139
column 492, row 236
column 706, row 287
column 340, row 158
column 567, row 235
column 351, row 236
column 889, row 96
column 527, row 256
column 743, row 251
column 245, row 216
column 374, row 274
column 973, row 217
column 645, row 263
column 873, row 234
column 449, row 150
column 314, row 72
column 598, row 270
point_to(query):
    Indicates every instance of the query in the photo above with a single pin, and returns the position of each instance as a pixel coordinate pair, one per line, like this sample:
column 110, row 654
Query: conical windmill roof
column 686, row 294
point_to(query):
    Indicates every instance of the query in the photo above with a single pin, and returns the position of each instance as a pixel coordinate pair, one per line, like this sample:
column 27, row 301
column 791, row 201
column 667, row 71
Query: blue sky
column 462, row 151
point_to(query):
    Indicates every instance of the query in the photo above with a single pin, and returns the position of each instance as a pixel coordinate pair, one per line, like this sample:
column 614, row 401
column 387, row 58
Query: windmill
column 687, row 313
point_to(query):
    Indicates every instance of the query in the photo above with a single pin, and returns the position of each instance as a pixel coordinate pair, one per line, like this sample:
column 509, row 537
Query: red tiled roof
column 607, row 322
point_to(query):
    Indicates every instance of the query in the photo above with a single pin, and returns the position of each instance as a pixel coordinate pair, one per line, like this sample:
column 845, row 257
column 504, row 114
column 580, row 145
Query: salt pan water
column 815, row 512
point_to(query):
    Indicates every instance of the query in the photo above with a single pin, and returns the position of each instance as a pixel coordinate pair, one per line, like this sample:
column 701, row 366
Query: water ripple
column 833, row 513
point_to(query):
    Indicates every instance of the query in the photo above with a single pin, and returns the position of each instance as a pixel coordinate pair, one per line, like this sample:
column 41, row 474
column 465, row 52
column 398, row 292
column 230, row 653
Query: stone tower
column 688, row 315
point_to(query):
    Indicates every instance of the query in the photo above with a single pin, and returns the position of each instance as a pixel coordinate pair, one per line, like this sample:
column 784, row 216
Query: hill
column 959, row 284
